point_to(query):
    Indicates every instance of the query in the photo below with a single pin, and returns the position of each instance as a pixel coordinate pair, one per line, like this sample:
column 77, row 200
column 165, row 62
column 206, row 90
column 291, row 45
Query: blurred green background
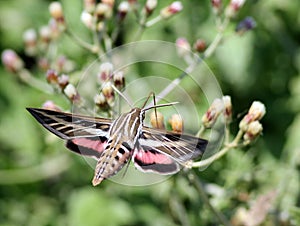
column 41, row 183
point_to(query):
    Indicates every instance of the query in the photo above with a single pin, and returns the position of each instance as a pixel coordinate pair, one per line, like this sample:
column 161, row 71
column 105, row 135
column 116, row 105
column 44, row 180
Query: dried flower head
column 101, row 102
column 71, row 92
column 108, row 93
column 103, row 11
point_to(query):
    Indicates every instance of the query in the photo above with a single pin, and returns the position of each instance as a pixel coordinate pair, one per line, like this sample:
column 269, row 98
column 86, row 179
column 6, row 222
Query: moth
column 115, row 142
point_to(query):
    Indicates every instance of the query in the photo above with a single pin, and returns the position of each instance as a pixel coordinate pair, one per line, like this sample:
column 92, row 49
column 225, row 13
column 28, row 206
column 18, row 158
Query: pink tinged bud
column 11, row 61
column 213, row 112
column 176, row 123
column 171, row 10
column 55, row 28
column 183, row 47
column 63, row 81
column 87, row 19
column 157, row 120
column 253, row 131
column 150, row 6
column 216, row 4
column 234, row 7
column 227, row 108
column 52, row 76
column 123, row 9
column 106, row 70
column 200, row 45
column 237, row 4
column 119, row 80
column 50, row 105
column 245, row 25
column 71, row 92
column 256, row 112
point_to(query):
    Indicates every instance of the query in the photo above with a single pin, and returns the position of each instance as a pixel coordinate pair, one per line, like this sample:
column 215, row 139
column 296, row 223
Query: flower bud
column 106, row 70
column 213, row 112
column 30, row 40
column 227, row 108
column 101, row 102
column 171, row 10
column 50, row 105
column 119, row 80
column 183, row 47
column 52, row 76
column 217, row 6
column 71, row 92
column 123, row 10
column 233, row 7
column 89, row 5
column 55, row 28
column 56, row 11
column 87, row 19
column 256, row 112
column 11, row 61
column 253, row 131
column 157, row 120
column 45, row 36
column 176, row 123
column 245, row 25
column 200, row 45
column 63, row 81
column 109, row 2
column 43, row 64
column 103, row 11
column 150, row 6
column 108, row 93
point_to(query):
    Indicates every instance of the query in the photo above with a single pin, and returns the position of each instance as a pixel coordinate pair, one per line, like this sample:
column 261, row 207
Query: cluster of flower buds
column 250, row 124
column 218, row 107
column 61, row 82
column 12, row 61
column 171, row 10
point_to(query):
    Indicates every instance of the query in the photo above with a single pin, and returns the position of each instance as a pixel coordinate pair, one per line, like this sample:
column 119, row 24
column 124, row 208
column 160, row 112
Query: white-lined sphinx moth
column 114, row 142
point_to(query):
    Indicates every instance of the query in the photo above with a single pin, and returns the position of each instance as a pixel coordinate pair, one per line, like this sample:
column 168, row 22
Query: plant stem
column 192, row 177
column 221, row 153
column 81, row 43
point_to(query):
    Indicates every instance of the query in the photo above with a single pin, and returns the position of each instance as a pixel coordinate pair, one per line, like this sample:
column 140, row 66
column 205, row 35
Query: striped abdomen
column 123, row 136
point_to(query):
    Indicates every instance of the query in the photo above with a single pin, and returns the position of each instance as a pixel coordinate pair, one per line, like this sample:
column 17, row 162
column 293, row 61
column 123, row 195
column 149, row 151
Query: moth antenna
column 159, row 105
column 123, row 96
